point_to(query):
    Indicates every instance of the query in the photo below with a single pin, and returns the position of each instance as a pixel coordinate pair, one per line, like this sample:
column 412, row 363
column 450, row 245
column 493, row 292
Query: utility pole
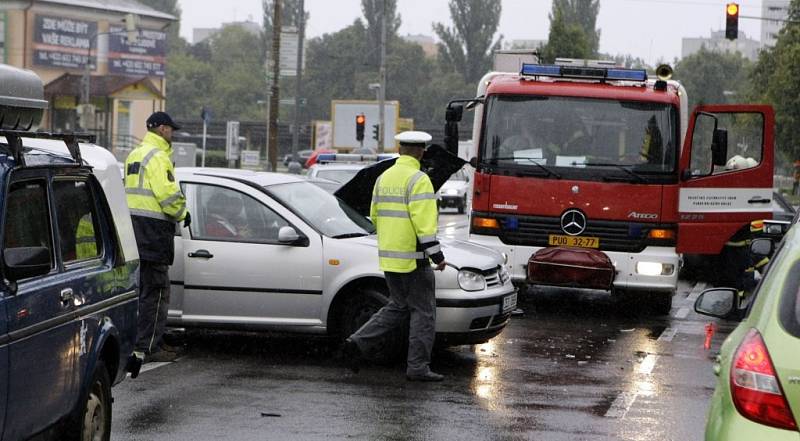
column 274, row 99
column 382, row 73
column 294, row 166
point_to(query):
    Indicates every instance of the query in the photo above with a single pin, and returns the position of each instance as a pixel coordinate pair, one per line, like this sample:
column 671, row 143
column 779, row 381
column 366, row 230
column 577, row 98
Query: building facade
column 58, row 39
column 772, row 11
column 718, row 43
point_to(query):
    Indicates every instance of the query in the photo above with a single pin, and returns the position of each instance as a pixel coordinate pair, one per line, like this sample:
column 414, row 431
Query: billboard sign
column 63, row 42
column 144, row 57
column 344, row 123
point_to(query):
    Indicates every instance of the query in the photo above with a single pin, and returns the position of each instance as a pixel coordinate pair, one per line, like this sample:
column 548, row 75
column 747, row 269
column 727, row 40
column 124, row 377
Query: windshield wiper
column 624, row 168
column 349, row 235
column 532, row 161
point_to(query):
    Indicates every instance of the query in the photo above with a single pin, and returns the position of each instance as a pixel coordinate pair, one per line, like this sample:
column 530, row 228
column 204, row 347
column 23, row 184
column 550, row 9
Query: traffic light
column 376, row 130
column 360, row 121
column 732, row 21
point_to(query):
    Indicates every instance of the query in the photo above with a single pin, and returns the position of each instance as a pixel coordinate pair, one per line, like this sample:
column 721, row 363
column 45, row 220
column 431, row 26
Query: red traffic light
column 360, row 119
column 732, row 9
column 732, row 21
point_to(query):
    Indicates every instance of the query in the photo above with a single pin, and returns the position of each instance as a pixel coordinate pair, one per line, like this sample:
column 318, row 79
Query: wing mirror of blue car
column 24, row 262
column 289, row 236
column 718, row 302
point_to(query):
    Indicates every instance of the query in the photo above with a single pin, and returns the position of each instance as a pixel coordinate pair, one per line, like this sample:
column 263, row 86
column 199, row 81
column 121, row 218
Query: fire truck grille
column 614, row 236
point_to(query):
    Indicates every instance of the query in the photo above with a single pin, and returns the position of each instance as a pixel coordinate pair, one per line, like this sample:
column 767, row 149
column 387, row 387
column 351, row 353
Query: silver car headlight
column 452, row 192
column 503, row 274
column 471, row 281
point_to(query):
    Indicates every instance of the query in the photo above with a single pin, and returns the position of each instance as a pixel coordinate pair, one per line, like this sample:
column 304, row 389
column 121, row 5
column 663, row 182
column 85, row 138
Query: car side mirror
column 717, row 302
column 289, row 236
column 24, row 262
column 719, row 147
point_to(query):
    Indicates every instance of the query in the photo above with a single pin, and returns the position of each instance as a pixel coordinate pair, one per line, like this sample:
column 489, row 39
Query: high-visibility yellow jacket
column 154, row 198
column 85, row 239
column 406, row 217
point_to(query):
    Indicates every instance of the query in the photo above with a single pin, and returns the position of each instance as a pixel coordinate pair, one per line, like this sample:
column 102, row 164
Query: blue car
column 69, row 288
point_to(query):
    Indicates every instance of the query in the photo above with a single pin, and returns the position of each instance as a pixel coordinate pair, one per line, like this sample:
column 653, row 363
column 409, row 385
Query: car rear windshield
column 790, row 302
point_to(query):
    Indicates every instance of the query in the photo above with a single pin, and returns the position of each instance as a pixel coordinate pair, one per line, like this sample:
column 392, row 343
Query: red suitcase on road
column 572, row 267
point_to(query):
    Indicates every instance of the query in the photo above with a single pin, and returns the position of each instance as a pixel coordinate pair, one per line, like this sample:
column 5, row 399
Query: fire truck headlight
column 654, row 268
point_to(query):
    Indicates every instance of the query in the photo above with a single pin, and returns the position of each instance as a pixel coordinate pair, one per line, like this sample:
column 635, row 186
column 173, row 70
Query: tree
column 467, row 46
column 709, row 75
column 774, row 81
column 187, row 76
column 566, row 39
column 373, row 10
column 584, row 14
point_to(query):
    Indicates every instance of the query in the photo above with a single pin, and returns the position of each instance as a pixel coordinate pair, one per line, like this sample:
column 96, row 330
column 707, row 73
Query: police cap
column 161, row 119
column 413, row 139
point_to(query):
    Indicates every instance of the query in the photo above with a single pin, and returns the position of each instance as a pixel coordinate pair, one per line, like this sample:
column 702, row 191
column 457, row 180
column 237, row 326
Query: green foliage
column 467, row 46
column 709, row 75
column 566, row 39
column 231, row 81
column 775, row 81
column 372, row 14
column 584, row 14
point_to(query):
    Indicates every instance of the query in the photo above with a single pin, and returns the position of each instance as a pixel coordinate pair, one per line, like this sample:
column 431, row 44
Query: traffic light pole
column 382, row 91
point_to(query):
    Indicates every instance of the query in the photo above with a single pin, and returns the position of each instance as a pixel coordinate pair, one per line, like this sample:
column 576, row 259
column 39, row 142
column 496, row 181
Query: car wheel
column 359, row 309
column 92, row 421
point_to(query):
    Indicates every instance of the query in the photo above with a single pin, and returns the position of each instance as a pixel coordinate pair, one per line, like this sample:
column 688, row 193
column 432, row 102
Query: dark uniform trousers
column 153, row 305
column 412, row 294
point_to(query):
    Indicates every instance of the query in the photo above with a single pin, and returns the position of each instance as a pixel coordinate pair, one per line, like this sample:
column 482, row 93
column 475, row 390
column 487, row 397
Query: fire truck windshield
column 580, row 133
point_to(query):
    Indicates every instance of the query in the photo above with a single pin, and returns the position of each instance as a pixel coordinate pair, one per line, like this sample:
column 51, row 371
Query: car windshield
column 323, row 211
column 790, row 303
column 545, row 132
column 340, row 175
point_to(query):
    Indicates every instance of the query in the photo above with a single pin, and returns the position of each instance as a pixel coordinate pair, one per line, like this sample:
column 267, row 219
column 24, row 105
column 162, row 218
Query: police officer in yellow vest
column 156, row 204
column 406, row 218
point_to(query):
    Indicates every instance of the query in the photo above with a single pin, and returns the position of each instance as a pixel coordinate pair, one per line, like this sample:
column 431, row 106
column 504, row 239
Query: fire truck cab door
column 716, row 201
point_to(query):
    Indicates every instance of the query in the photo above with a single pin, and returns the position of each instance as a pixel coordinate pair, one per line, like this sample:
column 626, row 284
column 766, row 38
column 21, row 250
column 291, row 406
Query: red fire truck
column 592, row 176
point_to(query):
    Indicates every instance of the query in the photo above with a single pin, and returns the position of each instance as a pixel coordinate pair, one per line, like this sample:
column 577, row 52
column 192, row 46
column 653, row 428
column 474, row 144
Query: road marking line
column 648, row 364
column 682, row 313
column 668, row 334
column 698, row 288
column 621, row 405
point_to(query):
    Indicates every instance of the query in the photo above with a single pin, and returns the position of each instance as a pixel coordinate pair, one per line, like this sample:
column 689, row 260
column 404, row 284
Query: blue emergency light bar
column 583, row 72
column 352, row 157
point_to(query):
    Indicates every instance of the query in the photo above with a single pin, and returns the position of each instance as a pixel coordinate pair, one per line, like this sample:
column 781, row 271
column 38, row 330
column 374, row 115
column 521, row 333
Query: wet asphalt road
column 572, row 367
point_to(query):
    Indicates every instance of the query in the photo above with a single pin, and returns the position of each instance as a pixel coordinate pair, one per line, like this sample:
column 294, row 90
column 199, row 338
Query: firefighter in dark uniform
column 156, row 204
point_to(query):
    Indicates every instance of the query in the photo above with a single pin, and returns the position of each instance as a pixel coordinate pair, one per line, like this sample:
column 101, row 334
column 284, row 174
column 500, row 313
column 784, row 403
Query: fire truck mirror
column 454, row 113
column 719, row 147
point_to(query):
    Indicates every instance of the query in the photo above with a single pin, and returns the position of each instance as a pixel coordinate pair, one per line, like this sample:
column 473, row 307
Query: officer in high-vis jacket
column 405, row 215
column 156, row 204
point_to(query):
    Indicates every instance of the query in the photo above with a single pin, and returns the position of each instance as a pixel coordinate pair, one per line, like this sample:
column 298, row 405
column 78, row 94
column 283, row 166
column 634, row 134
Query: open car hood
column 437, row 163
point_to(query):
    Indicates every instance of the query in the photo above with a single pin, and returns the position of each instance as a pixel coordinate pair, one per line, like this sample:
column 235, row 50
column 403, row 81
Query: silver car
column 271, row 251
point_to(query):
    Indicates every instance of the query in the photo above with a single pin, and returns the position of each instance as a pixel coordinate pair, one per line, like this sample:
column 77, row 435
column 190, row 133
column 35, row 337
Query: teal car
column 757, row 396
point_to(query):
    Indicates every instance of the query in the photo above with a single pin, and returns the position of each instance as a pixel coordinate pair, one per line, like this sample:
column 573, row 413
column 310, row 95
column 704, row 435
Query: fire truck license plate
column 574, row 241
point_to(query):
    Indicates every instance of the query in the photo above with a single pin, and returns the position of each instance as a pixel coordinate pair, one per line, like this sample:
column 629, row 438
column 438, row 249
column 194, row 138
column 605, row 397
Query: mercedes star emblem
column 573, row 222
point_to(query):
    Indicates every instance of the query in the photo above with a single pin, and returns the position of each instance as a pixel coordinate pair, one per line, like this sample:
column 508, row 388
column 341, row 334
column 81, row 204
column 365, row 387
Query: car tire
column 359, row 309
column 92, row 419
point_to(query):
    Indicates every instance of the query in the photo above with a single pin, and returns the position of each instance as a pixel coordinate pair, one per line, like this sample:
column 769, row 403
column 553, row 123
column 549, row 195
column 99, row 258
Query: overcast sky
column 650, row 29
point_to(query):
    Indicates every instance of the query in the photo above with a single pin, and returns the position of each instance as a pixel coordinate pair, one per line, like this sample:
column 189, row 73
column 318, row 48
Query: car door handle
column 67, row 297
column 202, row 254
column 757, row 200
